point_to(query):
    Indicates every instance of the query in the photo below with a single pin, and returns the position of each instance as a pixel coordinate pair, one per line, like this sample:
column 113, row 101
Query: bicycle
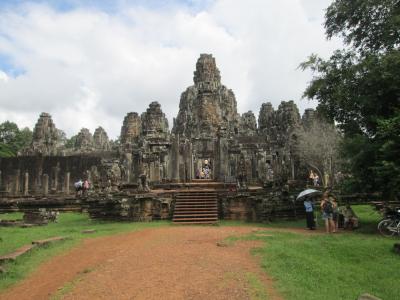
column 390, row 225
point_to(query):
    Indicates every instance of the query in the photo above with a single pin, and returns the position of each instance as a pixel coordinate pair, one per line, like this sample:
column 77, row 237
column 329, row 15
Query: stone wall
column 27, row 175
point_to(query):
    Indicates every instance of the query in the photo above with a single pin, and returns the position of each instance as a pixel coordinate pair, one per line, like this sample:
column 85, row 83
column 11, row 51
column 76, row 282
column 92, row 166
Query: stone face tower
column 207, row 105
column 131, row 128
column 45, row 138
column 100, row 139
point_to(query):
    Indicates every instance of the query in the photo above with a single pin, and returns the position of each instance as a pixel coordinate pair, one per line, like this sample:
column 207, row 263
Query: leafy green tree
column 70, row 143
column 359, row 88
column 12, row 139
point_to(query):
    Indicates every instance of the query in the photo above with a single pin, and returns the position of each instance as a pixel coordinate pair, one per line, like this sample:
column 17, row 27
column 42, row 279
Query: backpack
column 328, row 207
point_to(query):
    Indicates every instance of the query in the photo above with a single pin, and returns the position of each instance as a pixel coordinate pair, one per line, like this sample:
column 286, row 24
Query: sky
column 89, row 63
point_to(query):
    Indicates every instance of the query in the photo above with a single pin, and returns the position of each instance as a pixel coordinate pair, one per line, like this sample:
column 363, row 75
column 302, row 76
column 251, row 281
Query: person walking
column 309, row 207
column 327, row 213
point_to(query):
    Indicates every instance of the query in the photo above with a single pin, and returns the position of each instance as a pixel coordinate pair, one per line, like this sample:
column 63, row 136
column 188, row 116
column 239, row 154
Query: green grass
column 324, row 266
column 11, row 216
column 70, row 225
column 257, row 289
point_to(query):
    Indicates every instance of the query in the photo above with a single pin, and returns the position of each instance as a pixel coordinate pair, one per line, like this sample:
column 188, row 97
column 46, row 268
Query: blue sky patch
column 8, row 67
column 110, row 6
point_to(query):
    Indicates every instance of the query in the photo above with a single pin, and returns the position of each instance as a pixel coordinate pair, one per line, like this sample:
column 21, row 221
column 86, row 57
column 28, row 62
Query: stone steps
column 196, row 207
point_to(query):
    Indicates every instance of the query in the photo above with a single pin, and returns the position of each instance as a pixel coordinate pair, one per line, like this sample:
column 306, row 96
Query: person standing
column 86, row 186
column 311, row 177
column 327, row 213
column 309, row 206
column 335, row 214
column 316, row 179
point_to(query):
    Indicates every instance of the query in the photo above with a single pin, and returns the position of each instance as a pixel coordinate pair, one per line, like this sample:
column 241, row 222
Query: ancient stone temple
column 209, row 141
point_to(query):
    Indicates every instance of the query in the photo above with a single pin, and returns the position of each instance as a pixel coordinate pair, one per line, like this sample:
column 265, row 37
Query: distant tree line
column 13, row 139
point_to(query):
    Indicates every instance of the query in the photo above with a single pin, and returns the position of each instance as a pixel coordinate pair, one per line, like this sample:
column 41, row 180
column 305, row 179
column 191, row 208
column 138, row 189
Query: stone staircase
column 196, row 207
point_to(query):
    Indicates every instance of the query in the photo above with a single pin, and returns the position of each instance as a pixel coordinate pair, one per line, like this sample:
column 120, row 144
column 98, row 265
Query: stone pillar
column 89, row 175
column 221, row 165
column 55, row 183
column 175, row 159
column 157, row 167
column 8, row 185
column 66, row 183
column 1, row 182
column 326, row 180
column 16, row 182
column 292, row 167
column 26, row 184
column 45, row 184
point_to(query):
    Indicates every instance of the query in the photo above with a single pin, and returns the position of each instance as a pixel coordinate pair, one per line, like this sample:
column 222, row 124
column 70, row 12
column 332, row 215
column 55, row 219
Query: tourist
column 197, row 174
column 85, row 187
column 350, row 218
column 335, row 213
column 206, row 172
column 327, row 213
column 78, row 187
column 309, row 206
column 311, row 177
column 316, row 179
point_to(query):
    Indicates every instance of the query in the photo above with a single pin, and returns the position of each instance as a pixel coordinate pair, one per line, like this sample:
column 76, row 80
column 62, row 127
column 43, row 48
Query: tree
column 318, row 146
column 359, row 88
column 70, row 143
column 12, row 139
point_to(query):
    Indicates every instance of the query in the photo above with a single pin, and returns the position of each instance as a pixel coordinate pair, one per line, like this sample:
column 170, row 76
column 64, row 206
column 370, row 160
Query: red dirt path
column 165, row 263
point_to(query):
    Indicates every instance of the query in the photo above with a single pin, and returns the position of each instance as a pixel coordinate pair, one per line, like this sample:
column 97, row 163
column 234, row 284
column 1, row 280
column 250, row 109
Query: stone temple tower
column 207, row 105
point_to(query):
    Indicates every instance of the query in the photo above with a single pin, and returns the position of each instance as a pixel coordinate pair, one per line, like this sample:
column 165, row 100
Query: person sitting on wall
column 350, row 218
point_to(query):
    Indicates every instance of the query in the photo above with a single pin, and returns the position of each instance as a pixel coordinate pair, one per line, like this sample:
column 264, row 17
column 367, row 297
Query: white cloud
column 89, row 68
column 3, row 76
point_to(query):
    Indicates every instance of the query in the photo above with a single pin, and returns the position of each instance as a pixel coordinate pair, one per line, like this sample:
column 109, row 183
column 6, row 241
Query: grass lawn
column 69, row 225
column 341, row 266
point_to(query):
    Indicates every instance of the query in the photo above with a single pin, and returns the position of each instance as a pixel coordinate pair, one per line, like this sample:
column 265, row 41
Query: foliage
column 70, row 143
column 61, row 137
column 318, row 145
column 368, row 25
column 359, row 88
column 12, row 139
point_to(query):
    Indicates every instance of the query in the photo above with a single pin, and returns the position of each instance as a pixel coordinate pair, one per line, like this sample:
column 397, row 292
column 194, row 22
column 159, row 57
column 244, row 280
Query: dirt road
column 164, row 263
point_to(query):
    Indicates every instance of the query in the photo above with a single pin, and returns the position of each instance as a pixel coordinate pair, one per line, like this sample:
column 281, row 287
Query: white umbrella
column 308, row 193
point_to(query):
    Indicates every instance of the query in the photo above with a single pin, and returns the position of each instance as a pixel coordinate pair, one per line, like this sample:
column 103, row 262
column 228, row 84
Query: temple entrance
column 203, row 168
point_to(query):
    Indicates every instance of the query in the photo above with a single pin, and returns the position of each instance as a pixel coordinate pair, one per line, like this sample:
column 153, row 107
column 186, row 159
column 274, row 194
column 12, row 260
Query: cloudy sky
column 89, row 63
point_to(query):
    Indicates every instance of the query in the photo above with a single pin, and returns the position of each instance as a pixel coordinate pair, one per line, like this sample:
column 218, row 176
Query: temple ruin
column 249, row 166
